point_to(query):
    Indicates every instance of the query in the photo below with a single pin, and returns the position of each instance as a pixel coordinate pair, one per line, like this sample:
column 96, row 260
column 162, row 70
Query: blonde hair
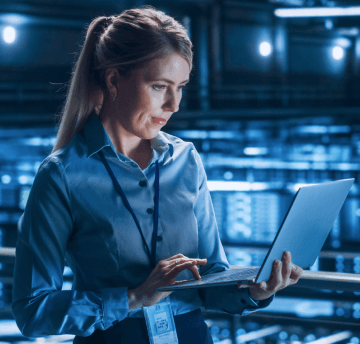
column 127, row 42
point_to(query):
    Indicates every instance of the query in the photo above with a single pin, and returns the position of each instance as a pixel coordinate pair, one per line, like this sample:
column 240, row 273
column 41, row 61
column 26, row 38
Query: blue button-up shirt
column 74, row 213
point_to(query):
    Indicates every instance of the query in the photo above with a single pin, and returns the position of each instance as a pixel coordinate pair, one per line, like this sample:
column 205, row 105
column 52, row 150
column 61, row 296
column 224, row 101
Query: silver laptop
column 303, row 232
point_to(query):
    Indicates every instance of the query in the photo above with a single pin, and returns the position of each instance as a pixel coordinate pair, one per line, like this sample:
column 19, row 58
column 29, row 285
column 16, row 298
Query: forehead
column 172, row 66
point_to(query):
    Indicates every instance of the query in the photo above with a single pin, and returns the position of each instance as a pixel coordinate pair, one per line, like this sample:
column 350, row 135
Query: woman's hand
column 163, row 275
column 283, row 274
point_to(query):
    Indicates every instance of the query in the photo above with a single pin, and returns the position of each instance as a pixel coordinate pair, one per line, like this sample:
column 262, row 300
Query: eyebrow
column 170, row 81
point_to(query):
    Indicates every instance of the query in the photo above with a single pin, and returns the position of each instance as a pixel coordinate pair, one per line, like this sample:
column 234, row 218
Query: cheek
column 150, row 100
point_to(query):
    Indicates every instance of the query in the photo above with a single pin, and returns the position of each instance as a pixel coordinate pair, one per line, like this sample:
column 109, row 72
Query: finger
column 201, row 261
column 178, row 282
column 192, row 267
column 286, row 267
column 180, row 267
column 180, row 255
column 261, row 285
column 195, row 272
column 197, row 261
column 296, row 273
column 181, row 258
column 275, row 282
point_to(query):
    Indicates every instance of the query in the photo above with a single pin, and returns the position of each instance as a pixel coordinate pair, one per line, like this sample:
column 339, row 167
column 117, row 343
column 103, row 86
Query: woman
column 125, row 204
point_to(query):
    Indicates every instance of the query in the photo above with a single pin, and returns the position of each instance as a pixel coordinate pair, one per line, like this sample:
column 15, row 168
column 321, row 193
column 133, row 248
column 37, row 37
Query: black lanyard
column 118, row 188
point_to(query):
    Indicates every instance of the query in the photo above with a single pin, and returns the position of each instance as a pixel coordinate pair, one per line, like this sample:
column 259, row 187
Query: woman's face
column 150, row 95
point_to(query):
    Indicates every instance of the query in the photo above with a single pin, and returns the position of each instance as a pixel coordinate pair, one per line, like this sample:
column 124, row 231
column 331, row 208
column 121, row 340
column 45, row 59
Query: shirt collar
column 97, row 138
column 162, row 144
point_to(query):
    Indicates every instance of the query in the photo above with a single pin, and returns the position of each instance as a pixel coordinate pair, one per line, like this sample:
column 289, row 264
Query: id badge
column 160, row 323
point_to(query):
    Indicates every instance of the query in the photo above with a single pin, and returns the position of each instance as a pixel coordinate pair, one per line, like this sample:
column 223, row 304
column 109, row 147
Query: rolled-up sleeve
column 39, row 305
column 228, row 298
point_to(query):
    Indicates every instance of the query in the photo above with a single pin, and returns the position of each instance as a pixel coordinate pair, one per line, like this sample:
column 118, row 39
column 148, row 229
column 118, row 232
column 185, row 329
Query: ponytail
column 79, row 100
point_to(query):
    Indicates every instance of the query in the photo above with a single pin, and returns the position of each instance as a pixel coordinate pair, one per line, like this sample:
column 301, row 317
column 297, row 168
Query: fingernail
column 294, row 267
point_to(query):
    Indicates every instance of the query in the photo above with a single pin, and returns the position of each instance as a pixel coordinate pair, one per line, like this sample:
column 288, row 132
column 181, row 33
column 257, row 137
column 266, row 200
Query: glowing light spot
column 6, row 179
column 23, row 180
column 9, row 34
column 228, row 175
column 338, row 53
column 265, row 49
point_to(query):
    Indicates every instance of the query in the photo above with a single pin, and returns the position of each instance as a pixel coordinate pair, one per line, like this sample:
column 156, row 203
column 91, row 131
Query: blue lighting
column 317, row 12
column 265, row 48
column 24, row 196
column 6, row 179
column 219, row 185
column 225, row 332
column 15, row 19
column 329, row 24
column 255, row 151
column 310, row 337
column 24, row 179
column 283, row 335
column 228, row 175
column 215, row 330
column 337, row 53
column 301, row 308
column 9, row 34
column 340, row 312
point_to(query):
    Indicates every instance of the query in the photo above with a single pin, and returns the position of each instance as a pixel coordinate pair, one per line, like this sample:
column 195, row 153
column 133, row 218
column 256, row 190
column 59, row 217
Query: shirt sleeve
column 39, row 306
column 228, row 298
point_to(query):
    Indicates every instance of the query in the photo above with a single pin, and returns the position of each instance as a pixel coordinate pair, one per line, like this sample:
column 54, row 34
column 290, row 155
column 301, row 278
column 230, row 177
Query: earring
column 114, row 98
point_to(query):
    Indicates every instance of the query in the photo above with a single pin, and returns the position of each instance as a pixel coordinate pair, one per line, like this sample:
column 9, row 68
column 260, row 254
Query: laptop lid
column 303, row 232
column 307, row 224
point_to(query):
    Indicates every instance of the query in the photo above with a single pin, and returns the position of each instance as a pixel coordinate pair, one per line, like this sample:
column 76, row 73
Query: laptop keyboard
column 232, row 275
column 218, row 278
column 223, row 277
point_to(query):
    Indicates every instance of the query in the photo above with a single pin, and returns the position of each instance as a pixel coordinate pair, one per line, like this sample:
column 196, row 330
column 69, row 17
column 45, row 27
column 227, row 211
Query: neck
column 123, row 141
column 133, row 147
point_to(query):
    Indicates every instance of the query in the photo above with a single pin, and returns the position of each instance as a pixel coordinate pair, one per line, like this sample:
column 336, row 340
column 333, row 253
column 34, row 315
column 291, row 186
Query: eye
column 159, row 87
column 181, row 87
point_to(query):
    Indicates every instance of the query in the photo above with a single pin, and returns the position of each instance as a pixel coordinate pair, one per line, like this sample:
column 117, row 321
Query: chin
column 150, row 134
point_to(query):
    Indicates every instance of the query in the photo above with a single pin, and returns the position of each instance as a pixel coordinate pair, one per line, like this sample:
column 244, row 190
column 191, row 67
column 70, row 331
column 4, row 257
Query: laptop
column 303, row 232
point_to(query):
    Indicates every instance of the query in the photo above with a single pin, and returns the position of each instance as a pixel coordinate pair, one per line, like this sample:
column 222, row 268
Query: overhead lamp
column 338, row 53
column 9, row 34
column 317, row 12
column 265, row 48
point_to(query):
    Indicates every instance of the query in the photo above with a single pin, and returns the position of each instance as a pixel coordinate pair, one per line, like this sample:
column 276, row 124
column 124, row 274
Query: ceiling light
column 9, row 34
column 265, row 48
column 317, row 12
column 338, row 53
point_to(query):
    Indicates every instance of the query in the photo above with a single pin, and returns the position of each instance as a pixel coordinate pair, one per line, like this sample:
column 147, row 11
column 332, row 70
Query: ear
column 111, row 80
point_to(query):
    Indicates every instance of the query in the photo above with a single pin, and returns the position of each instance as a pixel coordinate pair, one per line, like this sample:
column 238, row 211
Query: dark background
column 268, row 124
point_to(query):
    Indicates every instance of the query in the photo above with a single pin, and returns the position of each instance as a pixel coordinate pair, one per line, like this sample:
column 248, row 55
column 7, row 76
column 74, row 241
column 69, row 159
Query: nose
column 172, row 101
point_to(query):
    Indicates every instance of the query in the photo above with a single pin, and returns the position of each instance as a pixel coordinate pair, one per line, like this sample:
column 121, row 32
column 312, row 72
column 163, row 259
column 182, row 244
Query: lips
column 161, row 120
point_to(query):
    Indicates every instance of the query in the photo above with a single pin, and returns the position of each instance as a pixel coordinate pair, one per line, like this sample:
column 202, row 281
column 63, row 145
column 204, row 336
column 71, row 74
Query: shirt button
column 142, row 183
column 149, row 211
column 159, row 238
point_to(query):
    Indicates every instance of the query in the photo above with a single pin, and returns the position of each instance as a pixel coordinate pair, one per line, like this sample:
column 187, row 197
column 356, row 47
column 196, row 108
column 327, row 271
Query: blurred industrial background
column 273, row 103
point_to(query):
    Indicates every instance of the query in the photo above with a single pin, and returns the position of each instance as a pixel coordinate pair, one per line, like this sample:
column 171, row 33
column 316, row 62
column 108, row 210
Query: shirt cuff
column 115, row 305
column 258, row 304
column 250, row 300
